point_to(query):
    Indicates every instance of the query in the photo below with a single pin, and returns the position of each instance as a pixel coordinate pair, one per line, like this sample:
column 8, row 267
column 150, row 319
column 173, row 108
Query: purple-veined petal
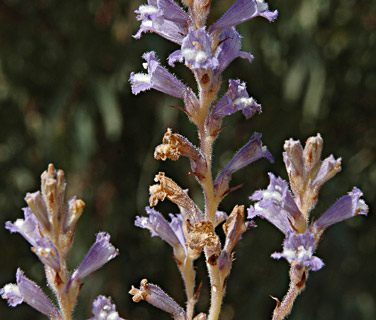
column 172, row 232
column 236, row 99
column 27, row 227
column 99, row 254
column 104, row 309
column 346, row 207
column 250, row 152
column 328, row 168
column 242, row 11
column 276, row 205
column 229, row 48
column 43, row 247
column 158, row 78
column 11, row 293
column 298, row 249
column 164, row 17
column 34, row 296
column 158, row 298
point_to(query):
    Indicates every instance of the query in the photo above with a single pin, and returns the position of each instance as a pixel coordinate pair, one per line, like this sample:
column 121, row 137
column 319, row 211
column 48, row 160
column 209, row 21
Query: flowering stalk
column 290, row 212
column 206, row 52
column 49, row 225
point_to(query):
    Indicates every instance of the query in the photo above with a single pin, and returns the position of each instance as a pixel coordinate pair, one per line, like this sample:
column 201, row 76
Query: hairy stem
column 189, row 276
column 298, row 277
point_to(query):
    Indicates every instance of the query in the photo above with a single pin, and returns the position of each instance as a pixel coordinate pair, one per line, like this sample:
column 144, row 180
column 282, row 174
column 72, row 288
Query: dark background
column 65, row 99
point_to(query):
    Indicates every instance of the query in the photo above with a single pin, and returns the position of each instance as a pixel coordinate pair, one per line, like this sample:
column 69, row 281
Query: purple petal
column 196, row 50
column 27, row 227
column 11, row 293
column 99, row 254
column 299, row 248
column 164, row 17
column 276, row 205
column 329, row 167
column 158, row 78
column 242, row 11
column 229, row 48
column 47, row 253
column 235, row 99
column 158, row 226
column 158, row 298
column 104, row 309
column 252, row 151
column 44, row 248
column 346, row 207
column 35, row 297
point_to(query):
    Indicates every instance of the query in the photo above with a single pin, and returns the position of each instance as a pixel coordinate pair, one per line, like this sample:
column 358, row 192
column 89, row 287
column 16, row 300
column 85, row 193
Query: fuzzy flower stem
column 298, row 277
column 211, row 202
column 189, row 276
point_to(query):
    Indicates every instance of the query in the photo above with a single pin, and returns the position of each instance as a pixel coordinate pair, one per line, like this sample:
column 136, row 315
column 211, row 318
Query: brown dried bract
column 234, row 227
column 169, row 189
column 201, row 235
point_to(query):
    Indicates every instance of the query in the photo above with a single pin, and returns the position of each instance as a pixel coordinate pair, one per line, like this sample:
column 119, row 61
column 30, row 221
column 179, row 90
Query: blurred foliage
column 65, row 99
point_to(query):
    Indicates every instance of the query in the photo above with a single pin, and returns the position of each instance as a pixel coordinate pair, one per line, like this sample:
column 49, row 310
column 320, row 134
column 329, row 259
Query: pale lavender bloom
column 171, row 232
column 43, row 247
column 158, row 298
column 229, row 49
column 250, row 152
column 329, row 167
column 298, row 249
column 12, row 294
column 29, row 292
column 196, row 51
column 99, row 254
column 164, row 17
column 345, row 208
column 242, row 11
column 235, row 99
column 277, row 205
column 104, row 309
column 158, row 78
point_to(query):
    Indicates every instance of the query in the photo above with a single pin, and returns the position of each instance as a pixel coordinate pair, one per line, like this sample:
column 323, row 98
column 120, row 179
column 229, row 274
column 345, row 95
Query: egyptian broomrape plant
column 207, row 51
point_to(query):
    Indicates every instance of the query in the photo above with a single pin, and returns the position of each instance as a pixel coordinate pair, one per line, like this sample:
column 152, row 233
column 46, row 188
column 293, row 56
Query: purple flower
column 250, row 152
column 171, row 232
column 164, row 17
column 28, row 291
column 159, row 79
column 43, row 247
column 298, row 249
column 158, row 298
column 235, row 99
column 276, row 205
column 196, row 50
column 346, row 207
column 99, row 254
column 242, row 11
column 104, row 309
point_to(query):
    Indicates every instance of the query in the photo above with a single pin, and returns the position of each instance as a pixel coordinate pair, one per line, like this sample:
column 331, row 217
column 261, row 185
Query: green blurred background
column 65, row 99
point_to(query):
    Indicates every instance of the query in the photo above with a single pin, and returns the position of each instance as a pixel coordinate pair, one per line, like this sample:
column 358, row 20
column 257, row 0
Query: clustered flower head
column 290, row 212
column 49, row 225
